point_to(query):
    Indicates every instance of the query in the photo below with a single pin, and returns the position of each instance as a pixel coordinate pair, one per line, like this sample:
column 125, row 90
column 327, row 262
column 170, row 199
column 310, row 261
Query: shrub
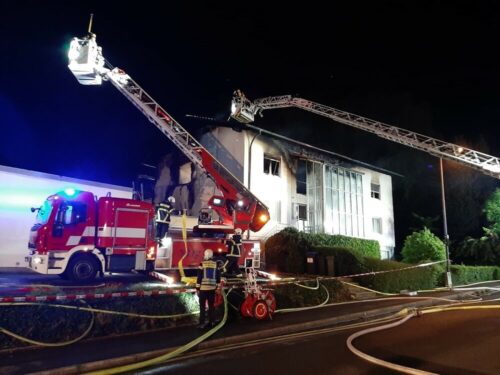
column 346, row 262
column 291, row 295
column 368, row 248
column 286, row 250
column 472, row 274
column 420, row 278
column 423, row 246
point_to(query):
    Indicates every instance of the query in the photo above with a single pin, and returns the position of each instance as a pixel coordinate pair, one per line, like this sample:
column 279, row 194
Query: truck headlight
column 37, row 260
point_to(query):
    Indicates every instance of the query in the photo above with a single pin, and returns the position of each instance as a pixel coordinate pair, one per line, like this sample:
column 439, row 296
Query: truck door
column 70, row 227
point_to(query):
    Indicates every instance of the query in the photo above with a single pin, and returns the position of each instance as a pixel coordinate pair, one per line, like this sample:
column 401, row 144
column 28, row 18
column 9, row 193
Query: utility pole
column 449, row 283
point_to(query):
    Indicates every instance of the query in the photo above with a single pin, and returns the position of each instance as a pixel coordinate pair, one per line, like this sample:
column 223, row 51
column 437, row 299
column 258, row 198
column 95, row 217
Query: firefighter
column 207, row 283
column 233, row 254
column 163, row 212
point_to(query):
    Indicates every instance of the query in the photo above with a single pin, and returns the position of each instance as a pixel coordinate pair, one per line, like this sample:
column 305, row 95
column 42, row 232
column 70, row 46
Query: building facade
column 308, row 189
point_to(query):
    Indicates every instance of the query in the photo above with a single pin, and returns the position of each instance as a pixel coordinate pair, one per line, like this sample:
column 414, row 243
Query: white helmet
column 238, row 231
column 208, row 254
column 171, row 200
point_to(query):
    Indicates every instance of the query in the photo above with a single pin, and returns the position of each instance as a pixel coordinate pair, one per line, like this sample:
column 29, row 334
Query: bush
column 291, row 295
column 368, row 248
column 423, row 246
column 286, row 250
column 49, row 324
column 461, row 274
column 421, row 278
column 346, row 262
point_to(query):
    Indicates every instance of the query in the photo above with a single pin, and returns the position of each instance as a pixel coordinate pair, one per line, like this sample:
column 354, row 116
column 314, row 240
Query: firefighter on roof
column 233, row 254
column 207, row 282
column 163, row 212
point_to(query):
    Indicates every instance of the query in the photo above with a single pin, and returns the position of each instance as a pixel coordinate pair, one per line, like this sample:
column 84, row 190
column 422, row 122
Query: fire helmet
column 208, row 254
column 171, row 200
column 238, row 231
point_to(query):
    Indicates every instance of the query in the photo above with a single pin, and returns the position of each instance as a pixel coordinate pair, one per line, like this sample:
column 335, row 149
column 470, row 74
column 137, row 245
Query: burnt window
column 271, row 166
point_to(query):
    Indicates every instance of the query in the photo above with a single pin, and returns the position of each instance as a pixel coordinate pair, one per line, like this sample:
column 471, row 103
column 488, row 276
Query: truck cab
column 78, row 236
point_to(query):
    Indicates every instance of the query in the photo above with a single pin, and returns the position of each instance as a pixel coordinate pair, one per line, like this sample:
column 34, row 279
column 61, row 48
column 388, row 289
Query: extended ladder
column 244, row 110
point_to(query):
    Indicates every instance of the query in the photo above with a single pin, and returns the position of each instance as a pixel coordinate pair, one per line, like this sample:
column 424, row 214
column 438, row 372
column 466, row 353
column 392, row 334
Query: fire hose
column 394, row 366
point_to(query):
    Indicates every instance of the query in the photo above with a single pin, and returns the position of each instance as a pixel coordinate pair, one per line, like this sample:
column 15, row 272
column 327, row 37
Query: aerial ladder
column 245, row 111
column 237, row 207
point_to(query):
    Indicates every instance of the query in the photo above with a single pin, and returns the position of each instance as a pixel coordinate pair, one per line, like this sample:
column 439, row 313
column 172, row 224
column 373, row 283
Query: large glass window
column 315, row 196
column 343, row 202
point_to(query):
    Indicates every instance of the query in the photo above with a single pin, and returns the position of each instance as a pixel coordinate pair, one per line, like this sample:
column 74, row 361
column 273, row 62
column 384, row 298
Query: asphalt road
column 455, row 342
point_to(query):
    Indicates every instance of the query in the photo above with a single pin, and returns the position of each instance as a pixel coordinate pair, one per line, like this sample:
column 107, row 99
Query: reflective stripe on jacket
column 163, row 212
column 208, row 275
column 234, row 246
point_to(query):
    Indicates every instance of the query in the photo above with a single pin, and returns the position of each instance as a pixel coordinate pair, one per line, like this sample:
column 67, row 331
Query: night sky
column 427, row 66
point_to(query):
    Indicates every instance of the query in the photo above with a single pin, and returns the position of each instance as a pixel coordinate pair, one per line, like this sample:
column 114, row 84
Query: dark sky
column 428, row 66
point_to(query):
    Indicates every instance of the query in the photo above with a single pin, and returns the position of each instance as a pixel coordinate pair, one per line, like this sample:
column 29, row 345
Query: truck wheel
column 82, row 268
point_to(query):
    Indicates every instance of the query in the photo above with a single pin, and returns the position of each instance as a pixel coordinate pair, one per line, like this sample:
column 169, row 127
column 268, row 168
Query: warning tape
column 87, row 296
column 170, row 291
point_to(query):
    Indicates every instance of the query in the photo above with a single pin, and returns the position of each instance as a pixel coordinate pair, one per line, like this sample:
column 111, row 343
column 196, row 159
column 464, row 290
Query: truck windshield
column 44, row 213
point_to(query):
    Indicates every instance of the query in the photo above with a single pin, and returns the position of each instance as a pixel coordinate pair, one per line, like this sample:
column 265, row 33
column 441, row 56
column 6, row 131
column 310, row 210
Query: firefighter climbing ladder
column 244, row 111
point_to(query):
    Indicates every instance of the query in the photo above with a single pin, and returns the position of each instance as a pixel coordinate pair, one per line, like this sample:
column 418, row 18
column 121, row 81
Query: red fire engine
column 78, row 236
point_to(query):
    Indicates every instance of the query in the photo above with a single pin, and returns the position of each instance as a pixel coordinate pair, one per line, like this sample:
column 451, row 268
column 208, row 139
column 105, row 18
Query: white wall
column 20, row 190
column 379, row 208
column 274, row 191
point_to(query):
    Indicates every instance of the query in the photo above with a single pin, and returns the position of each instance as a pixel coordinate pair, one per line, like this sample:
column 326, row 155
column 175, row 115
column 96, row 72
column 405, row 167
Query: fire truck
column 78, row 236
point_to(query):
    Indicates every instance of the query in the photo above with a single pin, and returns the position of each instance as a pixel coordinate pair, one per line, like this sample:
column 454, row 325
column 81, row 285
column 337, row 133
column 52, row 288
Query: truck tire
column 82, row 268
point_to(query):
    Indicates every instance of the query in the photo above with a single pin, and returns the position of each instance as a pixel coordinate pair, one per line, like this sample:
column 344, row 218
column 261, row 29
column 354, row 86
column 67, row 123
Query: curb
column 138, row 357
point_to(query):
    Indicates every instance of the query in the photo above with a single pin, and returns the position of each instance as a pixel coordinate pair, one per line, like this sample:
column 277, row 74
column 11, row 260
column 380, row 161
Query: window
column 271, row 166
column 377, row 225
column 301, row 177
column 72, row 213
column 302, row 212
column 375, row 190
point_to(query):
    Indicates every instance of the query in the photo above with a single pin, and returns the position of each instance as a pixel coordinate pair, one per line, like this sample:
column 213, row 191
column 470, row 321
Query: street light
column 449, row 283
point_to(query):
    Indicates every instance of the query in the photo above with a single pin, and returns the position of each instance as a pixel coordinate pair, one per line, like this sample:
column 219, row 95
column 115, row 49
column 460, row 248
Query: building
column 304, row 187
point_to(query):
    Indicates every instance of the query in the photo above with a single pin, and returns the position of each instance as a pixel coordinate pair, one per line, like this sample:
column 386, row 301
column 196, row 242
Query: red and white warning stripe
column 87, row 296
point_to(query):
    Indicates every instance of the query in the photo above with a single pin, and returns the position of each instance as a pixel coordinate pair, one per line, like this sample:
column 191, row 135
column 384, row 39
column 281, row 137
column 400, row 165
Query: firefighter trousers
column 207, row 296
column 231, row 265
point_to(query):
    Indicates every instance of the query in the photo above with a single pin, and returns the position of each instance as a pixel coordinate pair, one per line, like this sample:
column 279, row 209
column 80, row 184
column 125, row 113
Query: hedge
column 363, row 247
column 50, row 324
column 421, row 278
column 461, row 274
column 345, row 261
column 286, row 250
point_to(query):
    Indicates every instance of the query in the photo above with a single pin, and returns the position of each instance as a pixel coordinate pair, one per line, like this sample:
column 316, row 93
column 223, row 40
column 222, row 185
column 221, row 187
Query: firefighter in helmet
column 163, row 212
column 207, row 282
column 233, row 254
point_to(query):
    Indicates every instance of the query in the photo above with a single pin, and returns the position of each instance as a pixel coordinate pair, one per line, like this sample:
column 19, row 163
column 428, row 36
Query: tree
column 423, row 246
column 492, row 210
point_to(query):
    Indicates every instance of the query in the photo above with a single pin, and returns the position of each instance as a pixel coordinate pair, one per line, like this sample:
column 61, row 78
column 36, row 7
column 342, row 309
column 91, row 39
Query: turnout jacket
column 163, row 212
column 234, row 246
column 208, row 275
